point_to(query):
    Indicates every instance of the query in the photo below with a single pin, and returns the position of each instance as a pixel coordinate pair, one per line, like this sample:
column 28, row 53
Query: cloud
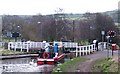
column 49, row 6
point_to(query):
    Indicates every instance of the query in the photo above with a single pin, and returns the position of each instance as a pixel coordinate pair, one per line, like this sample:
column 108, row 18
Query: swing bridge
column 74, row 47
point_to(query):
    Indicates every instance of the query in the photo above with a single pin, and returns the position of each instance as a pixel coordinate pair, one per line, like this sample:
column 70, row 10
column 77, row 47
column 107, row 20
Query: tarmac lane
column 87, row 65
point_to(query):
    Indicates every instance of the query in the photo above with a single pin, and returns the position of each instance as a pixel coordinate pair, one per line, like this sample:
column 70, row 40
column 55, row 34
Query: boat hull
column 53, row 61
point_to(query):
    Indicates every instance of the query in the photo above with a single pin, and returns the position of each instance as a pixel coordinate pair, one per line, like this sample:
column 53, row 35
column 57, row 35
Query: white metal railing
column 80, row 50
column 67, row 44
column 24, row 45
column 70, row 44
column 28, row 45
column 85, row 50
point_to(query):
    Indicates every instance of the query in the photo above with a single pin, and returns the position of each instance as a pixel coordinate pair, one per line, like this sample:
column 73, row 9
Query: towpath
column 87, row 65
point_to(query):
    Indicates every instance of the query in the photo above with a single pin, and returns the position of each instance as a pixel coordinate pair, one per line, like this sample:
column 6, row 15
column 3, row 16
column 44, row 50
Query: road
column 86, row 66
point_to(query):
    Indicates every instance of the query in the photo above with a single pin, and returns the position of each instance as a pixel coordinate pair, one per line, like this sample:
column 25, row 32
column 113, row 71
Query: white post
column 105, row 45
column 9, row 45
column 77, row 51
column 21, row 46
column 80, row 51
column 83, row 50
column 31, row 44
column 15, row 44
column 89, row 49
column 27, row 47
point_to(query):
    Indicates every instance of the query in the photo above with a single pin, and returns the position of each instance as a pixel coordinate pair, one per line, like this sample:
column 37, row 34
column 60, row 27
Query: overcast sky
column 32, row 7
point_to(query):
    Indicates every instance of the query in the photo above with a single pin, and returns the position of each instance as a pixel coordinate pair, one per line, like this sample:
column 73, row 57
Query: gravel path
column 87, row 65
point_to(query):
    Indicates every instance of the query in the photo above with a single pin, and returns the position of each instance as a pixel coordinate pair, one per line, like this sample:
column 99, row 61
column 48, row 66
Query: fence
column 67, row 44
column 27, row 45
column 24, row 45
column 70, row 44
column 79, row 50
column 86, row 50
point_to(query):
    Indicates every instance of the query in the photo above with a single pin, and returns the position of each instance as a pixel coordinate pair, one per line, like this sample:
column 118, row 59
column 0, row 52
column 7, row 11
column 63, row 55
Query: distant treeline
column 65, row 27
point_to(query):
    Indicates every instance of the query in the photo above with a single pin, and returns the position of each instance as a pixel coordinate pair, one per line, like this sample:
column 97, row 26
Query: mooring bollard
column 58, row 70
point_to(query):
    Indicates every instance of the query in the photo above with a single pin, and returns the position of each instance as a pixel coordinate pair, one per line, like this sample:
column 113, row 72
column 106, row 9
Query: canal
column 28, row 64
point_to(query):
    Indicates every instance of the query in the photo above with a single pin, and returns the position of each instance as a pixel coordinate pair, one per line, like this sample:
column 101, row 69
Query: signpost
column 15, row 35
column 111, row 35
column 9, row 35
column 108, row 45
column 103, row 33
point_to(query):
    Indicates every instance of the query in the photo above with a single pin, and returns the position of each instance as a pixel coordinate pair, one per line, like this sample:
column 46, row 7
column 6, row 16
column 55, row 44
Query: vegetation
column 9, row 39
column 105, row 65
column 83, row 42
column 9, row 52
column 69, row 65
column 74, row 27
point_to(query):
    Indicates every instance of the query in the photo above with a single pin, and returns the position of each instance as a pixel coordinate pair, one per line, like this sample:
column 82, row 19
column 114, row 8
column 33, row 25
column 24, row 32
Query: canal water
column 23, row 65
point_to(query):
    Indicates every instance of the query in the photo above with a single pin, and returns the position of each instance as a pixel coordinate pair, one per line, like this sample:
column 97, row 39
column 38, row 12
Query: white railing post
column 21, row 44
column 105, row 45
column 91, row 48
column 14, row 46
column 100, row 46
column 9, row 46
column 27, row 47
column 77, row 51
column 82, row 50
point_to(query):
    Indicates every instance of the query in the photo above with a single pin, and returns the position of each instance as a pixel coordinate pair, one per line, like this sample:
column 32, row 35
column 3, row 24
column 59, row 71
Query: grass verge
column 105, row 65
column 70, row 65
column 4, row 52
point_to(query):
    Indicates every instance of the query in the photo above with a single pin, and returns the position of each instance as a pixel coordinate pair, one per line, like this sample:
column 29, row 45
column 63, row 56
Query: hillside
column 114, row 14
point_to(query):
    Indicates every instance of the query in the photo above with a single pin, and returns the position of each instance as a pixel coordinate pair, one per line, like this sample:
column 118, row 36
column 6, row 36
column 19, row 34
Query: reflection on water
column 24, row 65
column 17, row 61
column 27, row 68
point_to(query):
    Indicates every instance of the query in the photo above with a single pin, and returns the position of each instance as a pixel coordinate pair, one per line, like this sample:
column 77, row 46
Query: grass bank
column 105, row 65
column 9, row 52
column 70, row 65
